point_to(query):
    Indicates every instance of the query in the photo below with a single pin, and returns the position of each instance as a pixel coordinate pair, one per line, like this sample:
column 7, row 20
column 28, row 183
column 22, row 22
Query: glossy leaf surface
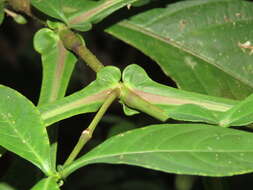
column 86, row 100
column 80, row 15
column 22, row 130
column 190, row 42
column 178, row 104
column 58, row 65
column 194, row 149
column 241, row 114
column 46, row 184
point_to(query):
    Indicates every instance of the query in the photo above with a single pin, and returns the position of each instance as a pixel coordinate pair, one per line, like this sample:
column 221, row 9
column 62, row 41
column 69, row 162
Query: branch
column 87, row 133
column 75, row 43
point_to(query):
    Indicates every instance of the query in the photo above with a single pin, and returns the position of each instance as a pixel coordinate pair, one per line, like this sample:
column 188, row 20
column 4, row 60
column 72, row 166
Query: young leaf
column 241, row 114
column 80, row 15
column 22, row 130
column 189, row 41
column 1, row 11
column 86, row 100
column 46, row 184
column 194, row 149
column 58, row 64
column 177, row 104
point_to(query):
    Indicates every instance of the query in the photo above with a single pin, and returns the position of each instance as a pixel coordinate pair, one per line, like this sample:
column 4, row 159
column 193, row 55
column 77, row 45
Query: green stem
column 87, row 133
column 133, row 100
column 89, row 58
column 75, row 43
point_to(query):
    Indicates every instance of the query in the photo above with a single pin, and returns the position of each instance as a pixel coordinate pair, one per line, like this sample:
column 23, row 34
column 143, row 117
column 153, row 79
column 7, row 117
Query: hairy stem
column 75, row 43
column 87, row 133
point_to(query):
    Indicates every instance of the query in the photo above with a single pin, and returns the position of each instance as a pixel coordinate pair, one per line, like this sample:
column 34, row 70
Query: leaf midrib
column 173, row 12
column 92, row 158
column 58, row 74
column 30, row 147
column 173, row 43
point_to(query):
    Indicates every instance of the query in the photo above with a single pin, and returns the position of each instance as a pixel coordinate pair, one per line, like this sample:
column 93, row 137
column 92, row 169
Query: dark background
column 20, row 69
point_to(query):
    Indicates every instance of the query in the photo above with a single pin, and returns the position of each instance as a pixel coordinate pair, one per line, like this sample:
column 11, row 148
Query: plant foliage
column 189, row 40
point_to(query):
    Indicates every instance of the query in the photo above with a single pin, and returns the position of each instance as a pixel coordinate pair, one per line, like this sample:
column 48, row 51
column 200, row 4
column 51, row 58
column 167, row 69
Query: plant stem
column 87, row 133
column 24, row 7
column 21, row 5
column 10, row 13
column 89, row 58
column 75, row 43
column 134, row 101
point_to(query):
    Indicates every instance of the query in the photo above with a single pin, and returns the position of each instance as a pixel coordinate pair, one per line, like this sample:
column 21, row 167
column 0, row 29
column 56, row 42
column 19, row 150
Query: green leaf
column 194, row 113
column 5, row 186
column 128, row 111
column 1, row 11
column 190, row 42
column 89, row 99
column 241, row 114
column 22, row 130
column 46, row 184
column 20, row 19
column 80, row 15
column 58, row 65
column 178, row 104
column 194, row 149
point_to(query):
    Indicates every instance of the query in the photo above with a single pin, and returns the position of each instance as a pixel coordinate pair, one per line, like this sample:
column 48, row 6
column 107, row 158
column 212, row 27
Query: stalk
column 87, row 133
column 75, row 43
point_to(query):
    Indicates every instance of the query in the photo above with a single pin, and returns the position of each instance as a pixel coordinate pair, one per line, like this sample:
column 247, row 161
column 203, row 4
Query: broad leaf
column 89, row 99
column 58, row 64
column 82, row 14
column 190, row 42
column 1, row 11
column 22, row 130
column 46, row 184
column 194, row 149
column 177, row 104
column 241, row 114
